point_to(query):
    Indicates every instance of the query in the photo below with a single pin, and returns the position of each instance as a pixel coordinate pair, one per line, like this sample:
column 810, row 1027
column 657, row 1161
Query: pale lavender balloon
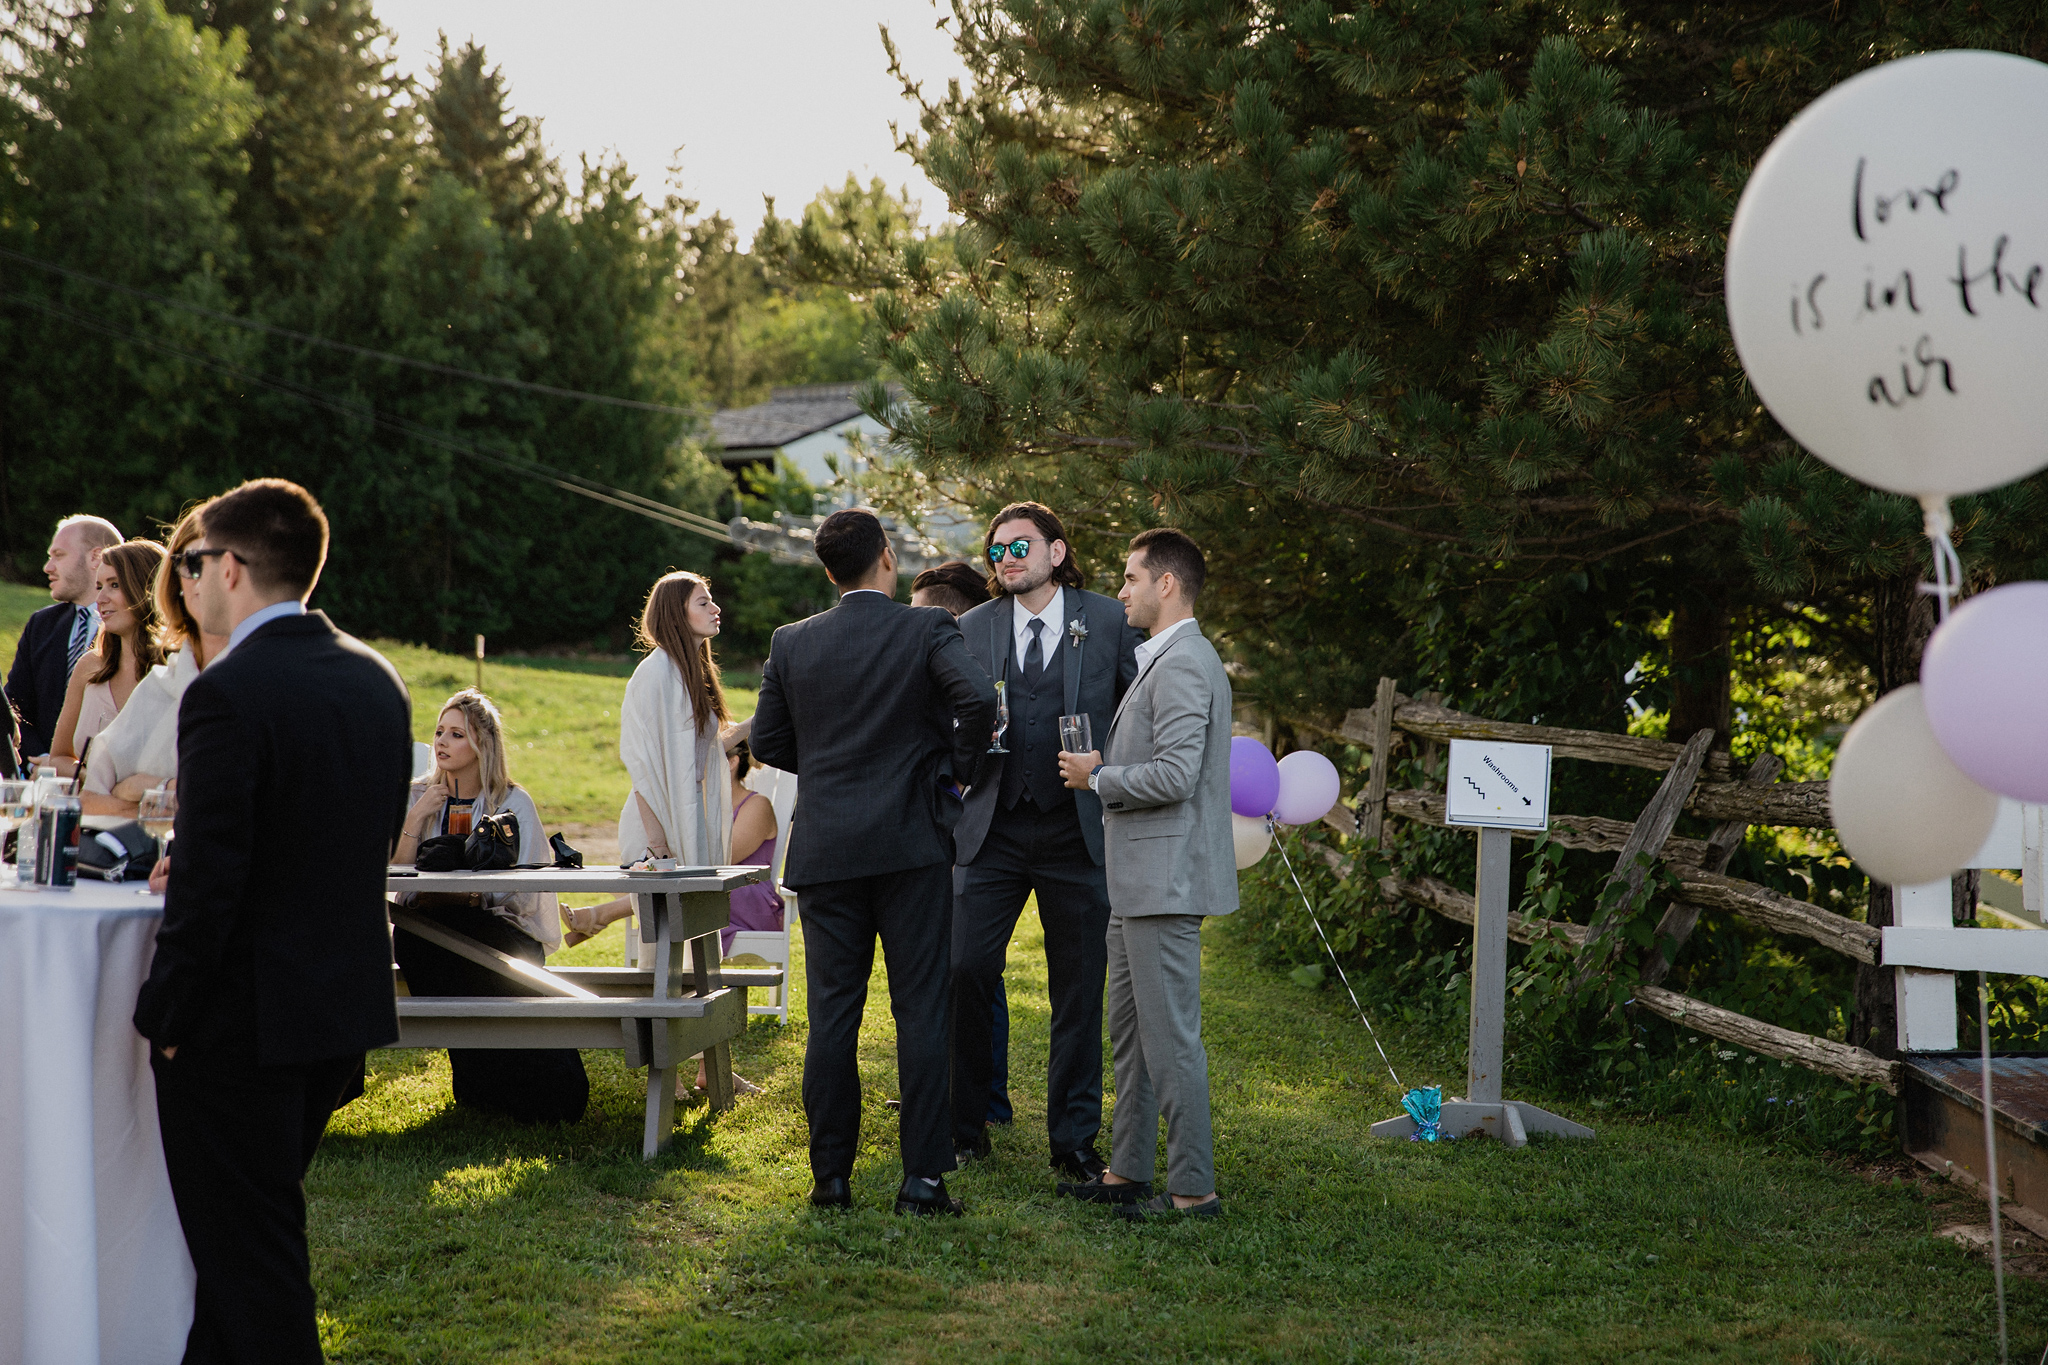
column 1254, row 777
column 1985, row 676
column 1309, row 786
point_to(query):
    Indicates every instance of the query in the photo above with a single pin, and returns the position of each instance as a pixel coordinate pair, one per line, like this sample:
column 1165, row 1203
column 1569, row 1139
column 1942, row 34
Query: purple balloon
column 1985, row 676
column 1254, row 777
column 1309, row 786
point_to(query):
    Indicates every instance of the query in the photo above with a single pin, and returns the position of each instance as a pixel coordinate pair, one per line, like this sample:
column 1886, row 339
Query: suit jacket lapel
column 1072, row 609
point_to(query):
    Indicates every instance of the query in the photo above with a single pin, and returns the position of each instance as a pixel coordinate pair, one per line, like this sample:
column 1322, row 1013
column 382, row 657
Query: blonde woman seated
column 470, row 781
column 127, row 648
column 140, row 749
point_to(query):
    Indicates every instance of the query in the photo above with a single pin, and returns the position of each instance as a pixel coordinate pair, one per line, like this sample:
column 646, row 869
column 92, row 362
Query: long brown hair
column 134, row 563
column 176, row 623
column 665, row 625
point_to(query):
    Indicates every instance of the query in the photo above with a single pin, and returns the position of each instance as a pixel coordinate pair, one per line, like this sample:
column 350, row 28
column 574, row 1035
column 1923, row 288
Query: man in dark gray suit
column 877, row 708
column 1059, row 651
column 1165, row 789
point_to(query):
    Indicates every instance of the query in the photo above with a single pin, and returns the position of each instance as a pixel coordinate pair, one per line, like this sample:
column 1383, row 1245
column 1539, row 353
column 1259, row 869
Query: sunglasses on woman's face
column 1019, row 549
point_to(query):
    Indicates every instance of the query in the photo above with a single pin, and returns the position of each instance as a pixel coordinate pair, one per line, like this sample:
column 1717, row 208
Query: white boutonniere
column 1077, row 631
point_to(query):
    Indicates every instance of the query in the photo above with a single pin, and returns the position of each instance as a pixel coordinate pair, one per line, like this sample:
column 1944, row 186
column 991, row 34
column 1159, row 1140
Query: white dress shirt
column 256, row 620
column 1049, row 638
column 1148, row 649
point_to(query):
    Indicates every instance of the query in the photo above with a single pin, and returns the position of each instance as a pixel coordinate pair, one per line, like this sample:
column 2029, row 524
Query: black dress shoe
column 1081, row 1166
column 1164, row 1207
column 832, row 1193
column 916, row 1197
column 978, row 1149
column 1096, row 1192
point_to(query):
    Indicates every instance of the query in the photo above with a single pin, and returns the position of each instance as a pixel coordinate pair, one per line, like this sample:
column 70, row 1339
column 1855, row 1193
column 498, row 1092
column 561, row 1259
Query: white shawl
column 678, row 771
column 144, row 737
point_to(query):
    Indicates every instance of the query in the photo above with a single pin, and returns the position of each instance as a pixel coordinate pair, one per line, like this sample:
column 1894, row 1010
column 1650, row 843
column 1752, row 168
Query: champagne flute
column 1002, row 718
column 158, row 812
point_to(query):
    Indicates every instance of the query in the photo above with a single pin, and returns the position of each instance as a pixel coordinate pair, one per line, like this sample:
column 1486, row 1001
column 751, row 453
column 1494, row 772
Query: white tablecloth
column 93, row 1266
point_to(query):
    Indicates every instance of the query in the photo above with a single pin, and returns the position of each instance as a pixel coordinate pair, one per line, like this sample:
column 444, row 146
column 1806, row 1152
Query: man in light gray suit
column 1165, row 791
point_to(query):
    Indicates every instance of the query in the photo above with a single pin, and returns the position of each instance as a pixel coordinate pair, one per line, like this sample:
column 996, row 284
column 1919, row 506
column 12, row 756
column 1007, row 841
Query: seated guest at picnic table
column 124, row 583
column 470, row 780
column 756, row 906
column 140, row 749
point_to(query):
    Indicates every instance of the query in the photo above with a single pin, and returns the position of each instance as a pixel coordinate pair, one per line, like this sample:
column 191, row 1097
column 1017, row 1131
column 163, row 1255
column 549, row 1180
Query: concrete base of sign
column 1510, row 1121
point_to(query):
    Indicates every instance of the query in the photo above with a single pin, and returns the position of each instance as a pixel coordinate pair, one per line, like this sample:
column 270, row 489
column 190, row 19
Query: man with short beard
column 1059, row 651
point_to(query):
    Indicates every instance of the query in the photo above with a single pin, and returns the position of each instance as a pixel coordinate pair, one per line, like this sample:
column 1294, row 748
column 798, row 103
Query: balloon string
column 1948, row 566
column 1282, row 846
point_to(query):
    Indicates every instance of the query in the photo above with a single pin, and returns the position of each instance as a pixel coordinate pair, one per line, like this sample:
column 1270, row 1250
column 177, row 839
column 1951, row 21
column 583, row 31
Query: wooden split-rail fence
column 1698, row 780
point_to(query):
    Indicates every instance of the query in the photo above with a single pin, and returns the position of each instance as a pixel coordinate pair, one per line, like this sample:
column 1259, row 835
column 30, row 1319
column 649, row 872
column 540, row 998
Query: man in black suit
column 272, row 973
column 1060, row 651
column 878, row 710
column 57, row 636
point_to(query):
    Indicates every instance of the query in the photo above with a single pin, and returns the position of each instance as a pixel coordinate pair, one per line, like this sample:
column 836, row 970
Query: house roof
column 790, row 414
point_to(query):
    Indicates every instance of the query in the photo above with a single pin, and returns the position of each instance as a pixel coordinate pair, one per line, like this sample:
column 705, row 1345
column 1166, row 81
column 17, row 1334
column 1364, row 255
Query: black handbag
column 494, row 842
column 443, row 853
column 126, row 851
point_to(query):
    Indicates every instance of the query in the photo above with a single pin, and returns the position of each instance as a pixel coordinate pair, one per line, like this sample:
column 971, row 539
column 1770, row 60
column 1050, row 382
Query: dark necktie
column 1034, row 655
column 81, row 636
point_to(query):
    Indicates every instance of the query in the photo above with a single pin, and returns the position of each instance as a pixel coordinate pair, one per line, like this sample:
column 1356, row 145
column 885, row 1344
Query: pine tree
column 1401, row 306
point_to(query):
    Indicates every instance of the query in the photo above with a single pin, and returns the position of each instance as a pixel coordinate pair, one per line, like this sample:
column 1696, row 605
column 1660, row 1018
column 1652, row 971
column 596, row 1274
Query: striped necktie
column 81, row 636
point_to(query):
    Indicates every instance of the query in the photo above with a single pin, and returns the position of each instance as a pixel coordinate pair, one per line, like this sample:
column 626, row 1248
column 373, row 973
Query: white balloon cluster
column 1887, row 285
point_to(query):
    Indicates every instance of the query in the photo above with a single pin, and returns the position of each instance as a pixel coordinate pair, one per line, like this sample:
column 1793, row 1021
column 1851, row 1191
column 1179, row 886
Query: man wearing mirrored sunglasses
column 1060, row 651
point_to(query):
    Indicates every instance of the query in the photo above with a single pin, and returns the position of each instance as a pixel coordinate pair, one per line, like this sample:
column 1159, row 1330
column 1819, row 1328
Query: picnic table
column 681, row 1003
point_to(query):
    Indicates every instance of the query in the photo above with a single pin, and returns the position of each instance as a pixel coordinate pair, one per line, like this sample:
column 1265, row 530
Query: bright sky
column 780, row 97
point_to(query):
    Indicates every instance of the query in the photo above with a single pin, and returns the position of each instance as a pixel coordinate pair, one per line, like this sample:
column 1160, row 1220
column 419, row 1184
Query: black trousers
column 532, row 1085
column 912, row 913
column 237, row 1141
column 1032, row 851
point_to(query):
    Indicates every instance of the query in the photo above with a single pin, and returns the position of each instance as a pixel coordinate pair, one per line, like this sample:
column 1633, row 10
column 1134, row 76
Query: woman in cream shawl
column 681, row 804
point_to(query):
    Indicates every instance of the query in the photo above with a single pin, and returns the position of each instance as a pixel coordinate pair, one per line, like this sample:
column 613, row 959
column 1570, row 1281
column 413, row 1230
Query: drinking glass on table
column 17, row 805
column 158, row 812
column 1076, row 736
column 1002, row 718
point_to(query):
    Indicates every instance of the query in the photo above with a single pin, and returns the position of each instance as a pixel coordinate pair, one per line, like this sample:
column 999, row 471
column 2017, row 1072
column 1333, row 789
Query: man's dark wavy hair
column 1066, row 573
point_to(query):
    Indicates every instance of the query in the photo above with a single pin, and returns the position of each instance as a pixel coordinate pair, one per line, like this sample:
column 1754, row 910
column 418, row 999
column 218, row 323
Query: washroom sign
column 1498, row 786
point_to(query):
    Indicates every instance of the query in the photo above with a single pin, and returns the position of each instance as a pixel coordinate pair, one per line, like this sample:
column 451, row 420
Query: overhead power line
column 367, row 352
column 680, row 518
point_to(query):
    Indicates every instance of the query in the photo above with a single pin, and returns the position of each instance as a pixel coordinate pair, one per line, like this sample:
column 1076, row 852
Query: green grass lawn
column 442, row 1236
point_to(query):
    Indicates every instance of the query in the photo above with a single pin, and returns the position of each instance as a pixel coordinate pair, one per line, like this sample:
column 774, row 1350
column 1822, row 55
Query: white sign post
column 1497, row 789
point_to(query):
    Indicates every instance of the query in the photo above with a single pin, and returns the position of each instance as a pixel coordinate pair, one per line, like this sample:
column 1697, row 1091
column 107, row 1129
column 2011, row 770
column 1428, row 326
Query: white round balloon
column 1250, row 836
column 1887, row 274
column 1903, row 809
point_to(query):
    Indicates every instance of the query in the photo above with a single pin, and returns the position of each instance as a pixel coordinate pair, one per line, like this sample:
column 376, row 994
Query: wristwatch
column 1094, row 775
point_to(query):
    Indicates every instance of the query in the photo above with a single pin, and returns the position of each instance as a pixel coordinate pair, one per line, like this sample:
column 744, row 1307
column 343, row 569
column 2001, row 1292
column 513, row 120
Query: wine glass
column 17, row 804
column 1002, row 718
column 158, row 812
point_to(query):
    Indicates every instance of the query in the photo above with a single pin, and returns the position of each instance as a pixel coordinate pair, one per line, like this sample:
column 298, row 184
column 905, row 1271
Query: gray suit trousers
column 1155, row 1035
